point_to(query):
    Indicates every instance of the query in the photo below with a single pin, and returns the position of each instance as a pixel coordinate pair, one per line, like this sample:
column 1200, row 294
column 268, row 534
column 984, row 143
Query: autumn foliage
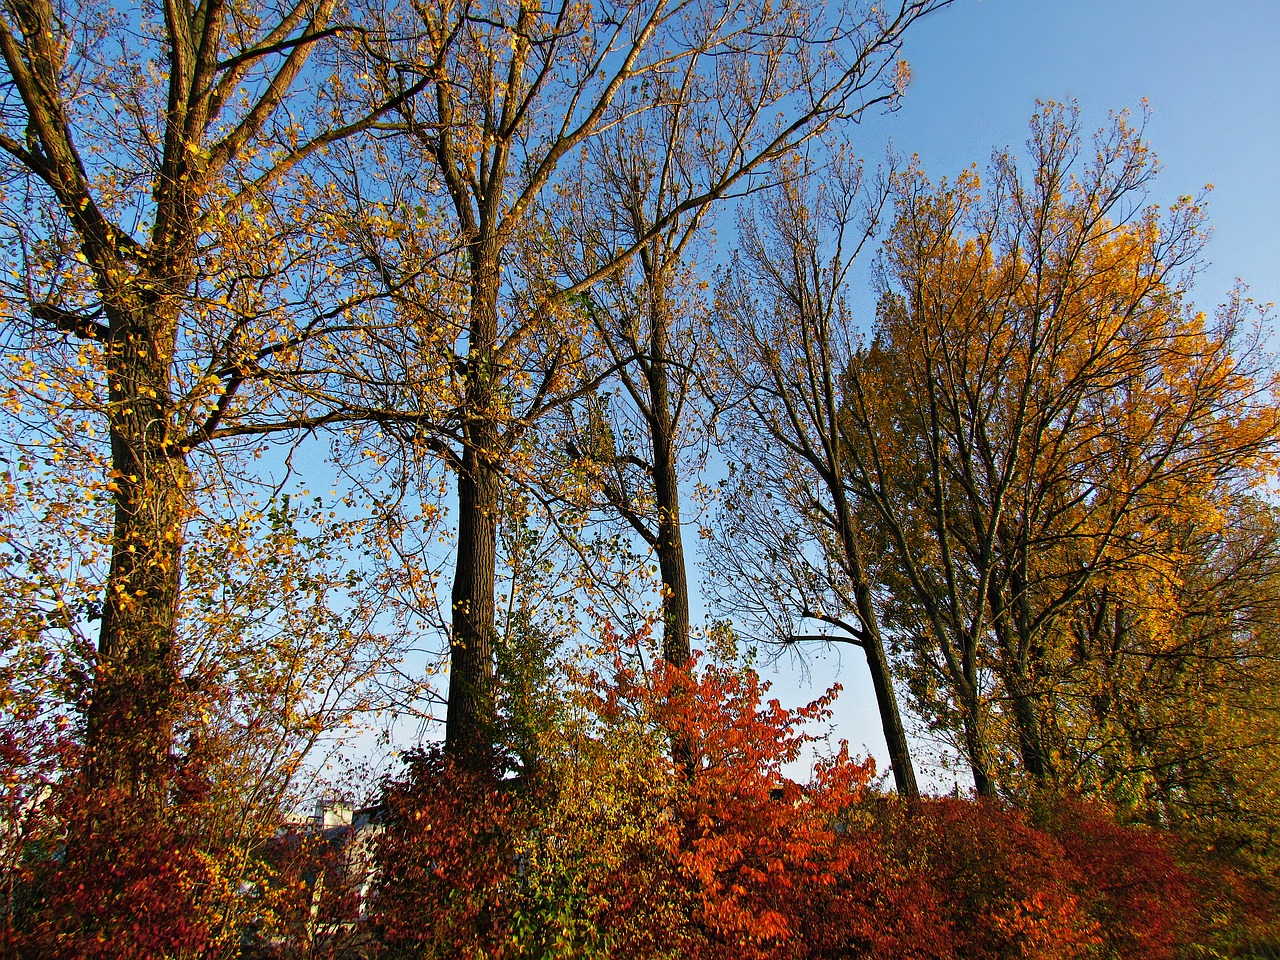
column 621, row 852
column 132, row 891
column 462, row 253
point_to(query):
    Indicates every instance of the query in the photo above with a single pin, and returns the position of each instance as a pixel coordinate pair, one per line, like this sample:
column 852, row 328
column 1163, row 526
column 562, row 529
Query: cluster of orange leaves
column 731, row 858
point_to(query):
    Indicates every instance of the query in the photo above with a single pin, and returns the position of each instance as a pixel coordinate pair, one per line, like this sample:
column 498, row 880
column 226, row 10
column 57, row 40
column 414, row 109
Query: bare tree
column 798, row 544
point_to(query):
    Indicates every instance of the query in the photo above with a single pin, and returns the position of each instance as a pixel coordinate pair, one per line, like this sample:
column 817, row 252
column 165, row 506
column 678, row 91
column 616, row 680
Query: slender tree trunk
column 895, row 734
column 1026, row 714
column 1030, row 739
column 471, row 719
column 965, row 683
column 975, row 747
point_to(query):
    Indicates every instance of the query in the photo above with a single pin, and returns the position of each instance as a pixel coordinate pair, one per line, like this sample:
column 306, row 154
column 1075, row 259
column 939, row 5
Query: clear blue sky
column 1211, row 73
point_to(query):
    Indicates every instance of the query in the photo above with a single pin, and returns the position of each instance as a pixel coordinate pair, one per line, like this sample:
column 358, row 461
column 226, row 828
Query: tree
column 511, row 95
column 153, row 227
column 647, row 316
column 789, row 335
column 1165, row 700
column 1038, row 398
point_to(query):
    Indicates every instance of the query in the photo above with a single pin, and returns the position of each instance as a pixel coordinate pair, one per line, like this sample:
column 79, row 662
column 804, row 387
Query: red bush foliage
column 123, row 888
column 736, row 861
column 758, row 852
column 1131, row 885
column 737, row 865
column 447, row 859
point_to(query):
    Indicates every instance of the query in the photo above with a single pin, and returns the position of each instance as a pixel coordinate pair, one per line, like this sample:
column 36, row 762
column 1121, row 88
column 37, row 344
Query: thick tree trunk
column 131, row 711
column 471, row 720
column 676, row 644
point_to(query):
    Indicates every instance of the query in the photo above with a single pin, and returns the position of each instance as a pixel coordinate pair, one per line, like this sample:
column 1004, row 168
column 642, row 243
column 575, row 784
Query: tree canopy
column 379, row 361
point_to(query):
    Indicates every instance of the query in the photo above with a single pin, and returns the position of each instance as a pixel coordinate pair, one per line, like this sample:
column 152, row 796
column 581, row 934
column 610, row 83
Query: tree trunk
column 1030, row 740
column 676, row 645
column 471, row 718
column 131, row 712
column 1011, row 635
column 895, row 734
column 974, row 746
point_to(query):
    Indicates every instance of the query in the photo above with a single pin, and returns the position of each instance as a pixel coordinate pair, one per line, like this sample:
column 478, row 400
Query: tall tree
column 152, row 224
column 1038, row 397
column 633, row 434
column 515, row 91
column 789, row 334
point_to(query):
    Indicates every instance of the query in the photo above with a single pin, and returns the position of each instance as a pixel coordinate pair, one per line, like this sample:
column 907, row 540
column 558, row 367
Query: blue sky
column 1210, row 71
column 1211, row 74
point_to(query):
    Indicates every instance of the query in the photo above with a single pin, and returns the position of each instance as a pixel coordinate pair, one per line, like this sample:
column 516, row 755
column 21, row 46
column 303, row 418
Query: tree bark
column 895, row 734
column 983, row 785
column 676, row 644
column 1030, row 739
column 131, row 712
column 471, row 718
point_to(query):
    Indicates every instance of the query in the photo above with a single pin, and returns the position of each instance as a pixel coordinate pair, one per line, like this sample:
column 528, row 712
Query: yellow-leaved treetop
column 1040, row 422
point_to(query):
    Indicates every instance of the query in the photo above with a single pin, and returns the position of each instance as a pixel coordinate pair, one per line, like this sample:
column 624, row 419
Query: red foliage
column 446, row 859
column 1132, row 886
column 123, row 888
column 953, row 878
column 1007, row 889
column 739, row 862
column 1241, row 901
column 738, row 866
column 756, row 852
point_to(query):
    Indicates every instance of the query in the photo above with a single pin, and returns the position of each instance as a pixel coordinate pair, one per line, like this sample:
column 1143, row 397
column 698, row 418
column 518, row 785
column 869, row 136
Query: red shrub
column 1131, row 885
column 125, row 888
column 735, row 862
column 953, row 878
column 758, row 851
column 447, row 859
column 718, row 855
